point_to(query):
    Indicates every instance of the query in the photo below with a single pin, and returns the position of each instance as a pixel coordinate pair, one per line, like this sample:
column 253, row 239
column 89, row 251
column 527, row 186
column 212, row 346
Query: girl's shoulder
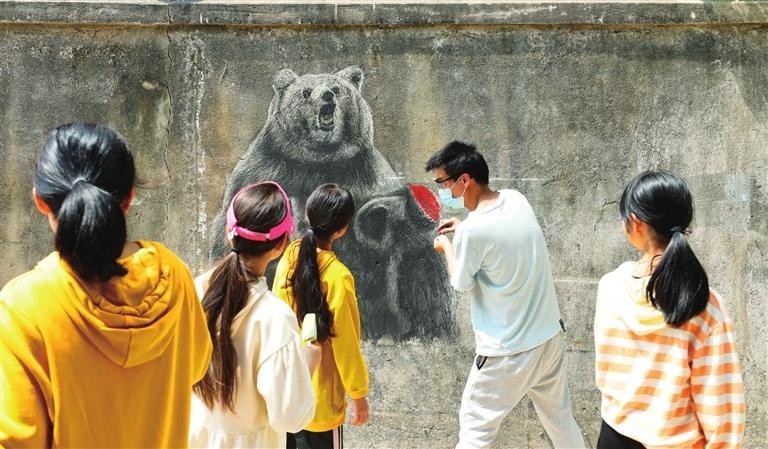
column 716, row 310
column 293, row 246
column 334, row 270
column 277, row 321
column 156, row 256
column 202, row 281
column 277, row 306
column 31, row 289
column 163, row 252
column 619, row 274
column 267, row 310
column 339, row 284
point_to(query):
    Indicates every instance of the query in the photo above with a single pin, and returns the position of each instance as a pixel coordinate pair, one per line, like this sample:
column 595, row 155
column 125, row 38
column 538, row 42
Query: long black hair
column 329, row 209
column 84, row 173
column 257, row 208
column 678, row 285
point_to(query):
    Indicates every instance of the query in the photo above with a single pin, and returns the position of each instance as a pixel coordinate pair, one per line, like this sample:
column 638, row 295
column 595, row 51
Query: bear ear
column 283, row 79
column 352, row 74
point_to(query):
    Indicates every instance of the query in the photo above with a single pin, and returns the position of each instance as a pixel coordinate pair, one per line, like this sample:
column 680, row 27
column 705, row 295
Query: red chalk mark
column 426, row 200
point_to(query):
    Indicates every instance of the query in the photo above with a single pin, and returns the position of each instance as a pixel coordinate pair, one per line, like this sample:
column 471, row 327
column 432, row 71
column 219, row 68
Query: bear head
column 321, row 117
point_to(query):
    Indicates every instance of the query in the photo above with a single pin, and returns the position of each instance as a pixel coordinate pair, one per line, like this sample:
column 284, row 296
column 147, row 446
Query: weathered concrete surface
column 565, row 113
column 386, row 13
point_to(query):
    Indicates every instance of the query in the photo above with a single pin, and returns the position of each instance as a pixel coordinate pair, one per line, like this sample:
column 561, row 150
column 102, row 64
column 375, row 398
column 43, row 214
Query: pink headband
column 285, row 226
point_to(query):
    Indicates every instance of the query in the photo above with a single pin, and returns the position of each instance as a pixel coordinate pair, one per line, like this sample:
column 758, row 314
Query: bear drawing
column 319, row 129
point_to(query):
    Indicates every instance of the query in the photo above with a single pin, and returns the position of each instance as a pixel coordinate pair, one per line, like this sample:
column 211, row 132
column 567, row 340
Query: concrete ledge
column 387, row 13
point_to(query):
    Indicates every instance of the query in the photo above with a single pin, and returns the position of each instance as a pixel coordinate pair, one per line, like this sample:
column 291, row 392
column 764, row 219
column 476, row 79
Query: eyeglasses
column 441, row 181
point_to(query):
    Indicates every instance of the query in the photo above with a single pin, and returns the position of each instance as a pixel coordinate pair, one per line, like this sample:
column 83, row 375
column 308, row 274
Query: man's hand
column 448, row 225
column 441, row 243
column 359, row 412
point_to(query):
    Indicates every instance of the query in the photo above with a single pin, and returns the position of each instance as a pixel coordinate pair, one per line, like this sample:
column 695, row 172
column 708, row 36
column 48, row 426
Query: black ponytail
column 84, row 174
column 258, row 208
column 329, row 209
column 678, row 285
column 227, row 294
column 306, row 287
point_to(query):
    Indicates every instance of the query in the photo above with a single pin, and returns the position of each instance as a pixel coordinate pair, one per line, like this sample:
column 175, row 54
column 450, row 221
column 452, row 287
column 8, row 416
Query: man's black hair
column 459, row 157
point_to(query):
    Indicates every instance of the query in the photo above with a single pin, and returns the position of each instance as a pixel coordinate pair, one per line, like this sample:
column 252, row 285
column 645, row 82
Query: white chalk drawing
column 319, row 129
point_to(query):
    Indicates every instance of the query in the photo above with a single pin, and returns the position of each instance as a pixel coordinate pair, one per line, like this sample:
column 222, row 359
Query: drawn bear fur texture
column 319, row 129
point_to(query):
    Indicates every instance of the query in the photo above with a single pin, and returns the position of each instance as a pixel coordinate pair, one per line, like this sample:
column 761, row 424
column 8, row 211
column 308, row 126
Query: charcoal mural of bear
column 319, row 129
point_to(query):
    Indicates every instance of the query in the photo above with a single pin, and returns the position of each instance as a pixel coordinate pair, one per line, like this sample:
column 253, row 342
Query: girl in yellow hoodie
column 311, row 279
column 104, row 338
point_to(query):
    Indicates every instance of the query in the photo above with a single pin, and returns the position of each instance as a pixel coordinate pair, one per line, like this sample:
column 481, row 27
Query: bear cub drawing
column 319, row 129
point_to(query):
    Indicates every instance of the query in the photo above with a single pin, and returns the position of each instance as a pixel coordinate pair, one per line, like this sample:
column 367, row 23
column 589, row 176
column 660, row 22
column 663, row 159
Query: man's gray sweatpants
column 499, row 383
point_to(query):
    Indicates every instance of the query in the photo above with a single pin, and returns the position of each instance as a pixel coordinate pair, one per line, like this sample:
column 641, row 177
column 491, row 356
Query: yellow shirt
column 342, row 370
column 81, row 370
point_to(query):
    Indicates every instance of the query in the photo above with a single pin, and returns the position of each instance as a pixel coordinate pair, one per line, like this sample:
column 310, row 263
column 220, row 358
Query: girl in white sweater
column 258, row 386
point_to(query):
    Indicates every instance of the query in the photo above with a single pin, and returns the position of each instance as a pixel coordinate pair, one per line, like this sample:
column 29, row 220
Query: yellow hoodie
column 79, row 370
column 342, row 369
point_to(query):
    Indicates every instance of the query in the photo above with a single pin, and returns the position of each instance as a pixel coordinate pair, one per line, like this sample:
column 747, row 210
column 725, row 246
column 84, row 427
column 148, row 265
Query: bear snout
column 327, row 96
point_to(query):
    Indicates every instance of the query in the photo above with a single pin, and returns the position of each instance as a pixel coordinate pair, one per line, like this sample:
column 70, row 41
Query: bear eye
column 335, row 90
column 307, row 92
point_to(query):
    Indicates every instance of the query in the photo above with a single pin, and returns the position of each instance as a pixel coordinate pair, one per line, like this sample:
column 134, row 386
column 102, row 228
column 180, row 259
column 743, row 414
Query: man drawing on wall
column 499, row 256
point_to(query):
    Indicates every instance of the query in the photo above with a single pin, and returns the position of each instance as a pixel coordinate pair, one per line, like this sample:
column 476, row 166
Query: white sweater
column 274, row 393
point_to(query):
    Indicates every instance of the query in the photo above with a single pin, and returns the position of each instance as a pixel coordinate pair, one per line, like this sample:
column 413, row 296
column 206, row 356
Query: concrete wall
column 567, row 101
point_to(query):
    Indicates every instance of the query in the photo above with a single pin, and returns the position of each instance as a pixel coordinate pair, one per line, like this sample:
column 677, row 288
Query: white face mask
column 447, row 199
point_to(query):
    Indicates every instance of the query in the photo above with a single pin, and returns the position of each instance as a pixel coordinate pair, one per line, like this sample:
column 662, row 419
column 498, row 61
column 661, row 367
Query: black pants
column 330, row 439
column 611, row 439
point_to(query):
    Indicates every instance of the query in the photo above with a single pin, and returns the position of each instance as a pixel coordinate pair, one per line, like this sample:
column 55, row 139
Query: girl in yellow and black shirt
column 311, row 279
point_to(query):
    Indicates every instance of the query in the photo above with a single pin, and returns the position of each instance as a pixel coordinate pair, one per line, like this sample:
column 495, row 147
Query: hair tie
column 684, row 231
column 235, row 251
column 78, row 180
